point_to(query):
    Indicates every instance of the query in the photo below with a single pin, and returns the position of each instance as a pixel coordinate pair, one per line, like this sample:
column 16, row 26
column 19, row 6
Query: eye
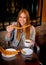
column 20, row 16
column 24, row 17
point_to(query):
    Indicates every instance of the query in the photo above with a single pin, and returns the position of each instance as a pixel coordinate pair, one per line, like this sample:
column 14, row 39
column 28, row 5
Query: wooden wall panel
column 44, row 11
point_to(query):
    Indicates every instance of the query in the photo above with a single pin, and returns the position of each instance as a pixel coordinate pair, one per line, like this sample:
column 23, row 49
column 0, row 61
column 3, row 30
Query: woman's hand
column 31, row 43
column 8, row 34
column 9, row 28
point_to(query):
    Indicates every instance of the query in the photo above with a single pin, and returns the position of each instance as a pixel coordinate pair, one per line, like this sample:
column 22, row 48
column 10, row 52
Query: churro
column 21, row 27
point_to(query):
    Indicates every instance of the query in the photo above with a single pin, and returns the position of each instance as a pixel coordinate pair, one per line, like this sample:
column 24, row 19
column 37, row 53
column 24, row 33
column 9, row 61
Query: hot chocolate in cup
column 28, row 43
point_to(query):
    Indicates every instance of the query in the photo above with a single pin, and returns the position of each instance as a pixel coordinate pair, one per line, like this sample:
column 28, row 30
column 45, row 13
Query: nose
column 22, row 19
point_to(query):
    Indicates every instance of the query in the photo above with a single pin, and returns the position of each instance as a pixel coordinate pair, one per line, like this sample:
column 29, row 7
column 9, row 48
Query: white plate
column 27, row 51
column 8, row 56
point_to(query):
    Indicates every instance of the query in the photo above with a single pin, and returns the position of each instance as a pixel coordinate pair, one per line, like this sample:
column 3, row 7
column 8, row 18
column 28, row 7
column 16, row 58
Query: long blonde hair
column 27, row 30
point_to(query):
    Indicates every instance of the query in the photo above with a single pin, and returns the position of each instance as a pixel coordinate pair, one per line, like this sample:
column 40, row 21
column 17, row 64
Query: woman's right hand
column 8, row 34
column 9, row 28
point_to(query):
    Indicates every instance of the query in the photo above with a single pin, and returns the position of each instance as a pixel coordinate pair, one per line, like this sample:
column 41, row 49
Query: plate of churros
column 10, row 52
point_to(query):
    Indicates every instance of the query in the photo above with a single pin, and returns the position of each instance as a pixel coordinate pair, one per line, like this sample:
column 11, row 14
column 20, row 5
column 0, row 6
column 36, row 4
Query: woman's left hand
column 31, row 42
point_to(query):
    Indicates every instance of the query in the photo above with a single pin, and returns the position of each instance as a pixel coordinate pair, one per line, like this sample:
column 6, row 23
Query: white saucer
column 27, row 51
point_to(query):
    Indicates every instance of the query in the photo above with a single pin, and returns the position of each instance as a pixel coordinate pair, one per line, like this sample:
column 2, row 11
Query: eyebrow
column 21, row 16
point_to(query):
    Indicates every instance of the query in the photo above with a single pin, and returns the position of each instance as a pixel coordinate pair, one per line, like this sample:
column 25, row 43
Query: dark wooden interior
column 9, row 10
column 39, row 23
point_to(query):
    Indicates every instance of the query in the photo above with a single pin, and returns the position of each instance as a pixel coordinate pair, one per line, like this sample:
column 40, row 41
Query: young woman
column 18, row 33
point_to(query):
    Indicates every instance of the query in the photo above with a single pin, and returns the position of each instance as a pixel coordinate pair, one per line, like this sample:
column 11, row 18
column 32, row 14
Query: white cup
column 27, row 43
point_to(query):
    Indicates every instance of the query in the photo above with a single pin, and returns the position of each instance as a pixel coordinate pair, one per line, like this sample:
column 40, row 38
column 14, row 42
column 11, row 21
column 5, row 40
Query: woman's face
column 22, row 19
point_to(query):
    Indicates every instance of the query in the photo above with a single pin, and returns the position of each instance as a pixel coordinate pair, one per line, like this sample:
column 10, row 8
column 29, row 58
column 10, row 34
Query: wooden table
column 19, row 60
